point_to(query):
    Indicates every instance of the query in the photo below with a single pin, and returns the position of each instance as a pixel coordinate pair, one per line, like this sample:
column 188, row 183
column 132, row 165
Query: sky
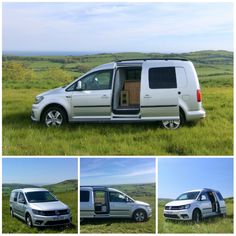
column 39, row 171
column 117, row 27
column 178, row 175
column 111, row 171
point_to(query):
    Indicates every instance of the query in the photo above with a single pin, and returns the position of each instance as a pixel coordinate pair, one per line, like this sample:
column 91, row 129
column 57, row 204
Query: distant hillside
column 198, row 57
column 64, row 186
column 214, row 68
column 136, row 190
column 7, row 188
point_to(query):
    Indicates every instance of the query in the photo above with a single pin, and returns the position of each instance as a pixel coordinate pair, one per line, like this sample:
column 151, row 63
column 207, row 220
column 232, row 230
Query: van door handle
column 104, row 96
column 147, row 96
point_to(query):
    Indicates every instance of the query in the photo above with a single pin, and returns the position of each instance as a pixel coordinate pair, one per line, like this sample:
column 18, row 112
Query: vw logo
column 57, row 212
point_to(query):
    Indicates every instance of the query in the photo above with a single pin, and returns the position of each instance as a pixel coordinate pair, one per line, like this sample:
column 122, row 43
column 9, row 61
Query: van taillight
column 199, row 95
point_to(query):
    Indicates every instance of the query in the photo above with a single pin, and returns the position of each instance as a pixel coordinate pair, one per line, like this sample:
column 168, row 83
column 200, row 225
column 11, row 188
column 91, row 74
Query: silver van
column 164, row 90
column 104, row 202
column 39, row 207
column 196, row 205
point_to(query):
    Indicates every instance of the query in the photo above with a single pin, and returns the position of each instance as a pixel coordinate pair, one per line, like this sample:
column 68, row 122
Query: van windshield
column 40, row 196
column 188, row 196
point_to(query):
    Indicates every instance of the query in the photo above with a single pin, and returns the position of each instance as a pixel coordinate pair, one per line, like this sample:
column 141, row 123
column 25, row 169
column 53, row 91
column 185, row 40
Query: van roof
column 154, row 59
column 139, row 62
column 203, row 189
column 99, row 188
column 26, row 190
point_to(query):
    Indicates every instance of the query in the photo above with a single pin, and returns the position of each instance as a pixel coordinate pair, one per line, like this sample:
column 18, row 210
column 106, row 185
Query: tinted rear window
column 84, row 196
column 162, row 78
column 220, row 196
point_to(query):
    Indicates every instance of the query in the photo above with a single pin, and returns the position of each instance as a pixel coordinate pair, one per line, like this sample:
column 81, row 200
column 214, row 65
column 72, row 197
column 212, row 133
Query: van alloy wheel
column 197, row 219
column 29, row 221
column 54, row 118
column 139, row 216
column 171, row 124
column 196, row 216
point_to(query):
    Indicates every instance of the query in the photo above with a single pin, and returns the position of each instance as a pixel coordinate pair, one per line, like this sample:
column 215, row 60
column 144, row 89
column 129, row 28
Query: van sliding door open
column 101, row 203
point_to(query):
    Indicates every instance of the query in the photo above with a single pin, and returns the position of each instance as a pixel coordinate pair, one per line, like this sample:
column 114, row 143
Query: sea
column 49, row 53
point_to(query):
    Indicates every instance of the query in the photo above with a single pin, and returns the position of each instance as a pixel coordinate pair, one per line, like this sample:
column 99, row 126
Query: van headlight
column 184, row 207
column 38, row 99
column 37, row 212
column 68, row 211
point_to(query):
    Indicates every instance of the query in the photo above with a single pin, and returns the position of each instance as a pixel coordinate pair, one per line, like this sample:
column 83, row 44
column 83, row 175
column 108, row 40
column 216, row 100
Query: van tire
column 11, row 213
column 197, row 216
column 54, row 116
column 182, row 117
column 28, row 220
column 140, row 215
column 174, row 124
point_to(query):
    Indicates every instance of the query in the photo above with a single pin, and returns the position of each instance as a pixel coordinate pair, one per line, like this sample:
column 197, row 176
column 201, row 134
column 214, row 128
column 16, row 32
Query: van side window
column 21, row 197
column 14, row 196
column 220, row 196
column 99, row 80
column 84, row 196
column 203, row 197
column 117, row 197
column 181, row 77
column 162, row 78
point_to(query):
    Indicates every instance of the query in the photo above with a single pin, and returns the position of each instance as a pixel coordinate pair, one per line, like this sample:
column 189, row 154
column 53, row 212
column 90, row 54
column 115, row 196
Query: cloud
column 114, row 26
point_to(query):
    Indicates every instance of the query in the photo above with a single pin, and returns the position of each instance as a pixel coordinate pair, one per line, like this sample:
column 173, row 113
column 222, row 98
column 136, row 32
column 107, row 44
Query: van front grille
column 56, row 213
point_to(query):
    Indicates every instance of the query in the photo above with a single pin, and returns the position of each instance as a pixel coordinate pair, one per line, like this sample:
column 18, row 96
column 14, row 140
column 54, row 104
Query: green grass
column 212, row 136
column 211, row 225
column 15, row 225
column 141, row 192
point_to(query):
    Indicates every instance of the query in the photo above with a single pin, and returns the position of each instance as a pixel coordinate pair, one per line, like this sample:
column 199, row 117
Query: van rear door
column 159, row 93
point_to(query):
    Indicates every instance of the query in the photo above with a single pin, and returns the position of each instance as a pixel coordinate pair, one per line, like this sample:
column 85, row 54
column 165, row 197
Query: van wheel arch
column 137, row 218
column 182, row 115
column 54, row 105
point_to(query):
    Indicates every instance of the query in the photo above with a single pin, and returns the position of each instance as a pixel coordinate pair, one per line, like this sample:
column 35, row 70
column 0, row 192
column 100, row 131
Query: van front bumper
column 178, row 214
column 195, row 115
column 51, row 220
column 36, row 112
column 149, row 212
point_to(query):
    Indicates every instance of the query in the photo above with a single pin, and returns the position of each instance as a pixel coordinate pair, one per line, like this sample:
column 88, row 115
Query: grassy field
column 126, row 225
column 211, row 225
column 212, row 136
column 15, row 225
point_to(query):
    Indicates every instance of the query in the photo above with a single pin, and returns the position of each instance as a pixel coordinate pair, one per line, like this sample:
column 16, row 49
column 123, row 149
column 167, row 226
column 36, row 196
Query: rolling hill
column 64, row 186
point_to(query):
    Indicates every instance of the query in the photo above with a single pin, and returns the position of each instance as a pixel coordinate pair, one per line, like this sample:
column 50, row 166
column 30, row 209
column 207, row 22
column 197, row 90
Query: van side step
column 128, row 110
column 126, row 118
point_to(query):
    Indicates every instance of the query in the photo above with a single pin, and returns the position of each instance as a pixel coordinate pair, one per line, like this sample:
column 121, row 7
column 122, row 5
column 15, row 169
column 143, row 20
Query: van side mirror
column 22, row 201
column 15, row 199
column 127, row 199
column 79, row 86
